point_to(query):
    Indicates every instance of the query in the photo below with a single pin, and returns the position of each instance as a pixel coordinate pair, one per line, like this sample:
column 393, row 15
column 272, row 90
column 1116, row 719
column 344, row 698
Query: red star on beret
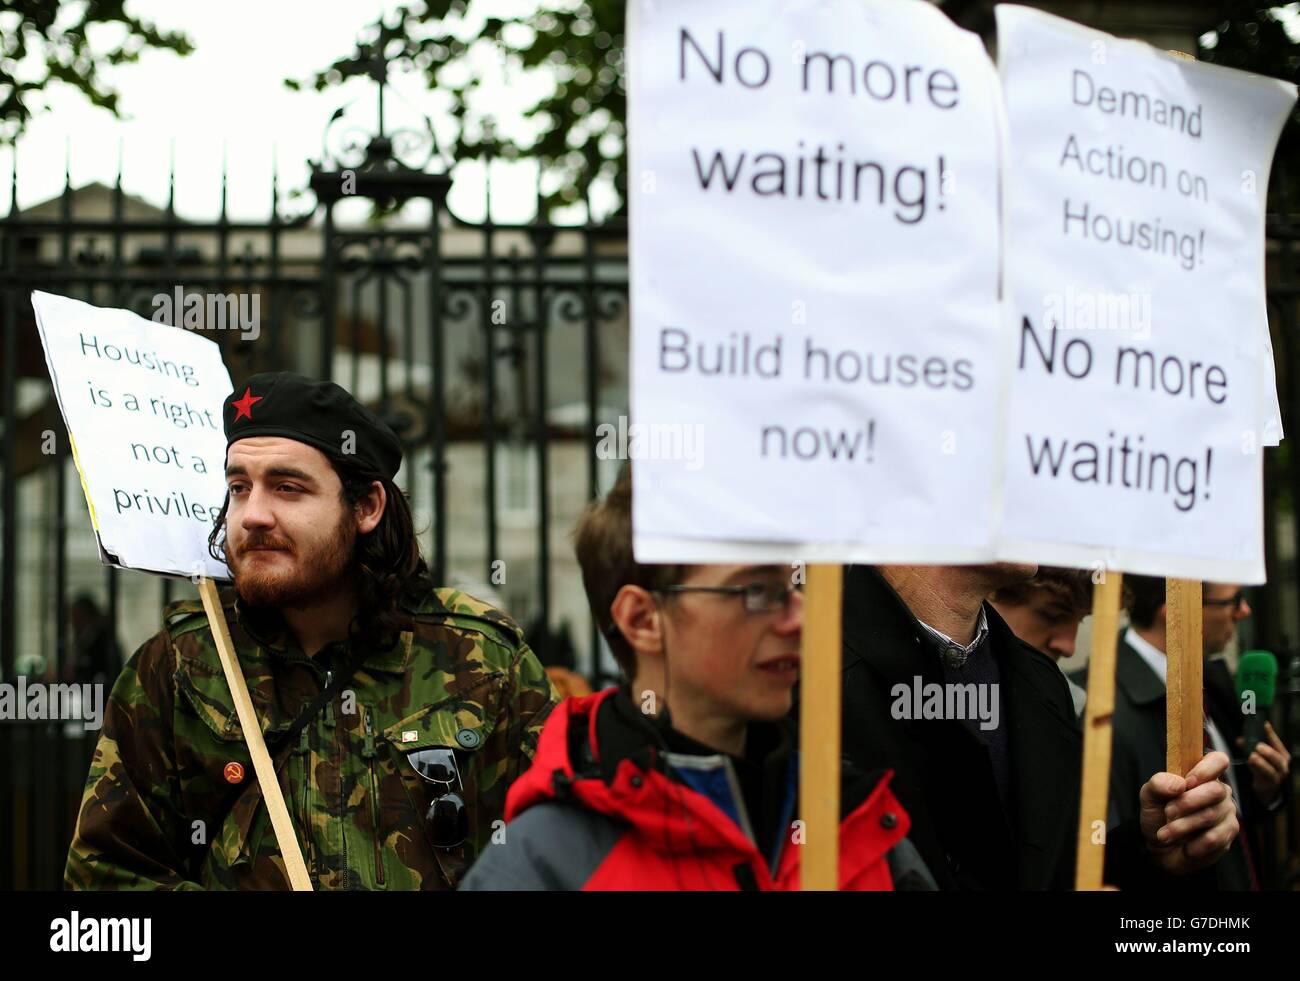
column 244, row 406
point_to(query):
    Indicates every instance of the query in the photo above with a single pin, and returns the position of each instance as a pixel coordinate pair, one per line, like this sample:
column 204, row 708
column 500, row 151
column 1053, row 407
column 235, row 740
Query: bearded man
column 396, row 713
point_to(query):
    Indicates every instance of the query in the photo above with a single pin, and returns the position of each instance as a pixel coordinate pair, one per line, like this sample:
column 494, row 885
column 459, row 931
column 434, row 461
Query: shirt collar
column 270, row 632
column 266, row 627
column 954, row 653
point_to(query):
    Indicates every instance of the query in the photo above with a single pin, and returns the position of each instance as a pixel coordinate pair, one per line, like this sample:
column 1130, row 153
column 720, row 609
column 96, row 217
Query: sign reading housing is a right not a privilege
column 1135, row 252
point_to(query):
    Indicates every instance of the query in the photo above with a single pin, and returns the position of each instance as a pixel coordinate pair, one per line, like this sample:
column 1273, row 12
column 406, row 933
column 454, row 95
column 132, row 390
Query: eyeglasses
column 1232, row 602
column 760, row 597
column 447, row 819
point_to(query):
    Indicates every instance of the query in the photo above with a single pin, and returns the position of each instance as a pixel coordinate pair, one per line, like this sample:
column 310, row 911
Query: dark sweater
column 981, row 669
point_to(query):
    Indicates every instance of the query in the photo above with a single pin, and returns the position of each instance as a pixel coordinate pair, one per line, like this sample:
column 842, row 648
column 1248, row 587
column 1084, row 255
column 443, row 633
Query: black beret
column 318, row 413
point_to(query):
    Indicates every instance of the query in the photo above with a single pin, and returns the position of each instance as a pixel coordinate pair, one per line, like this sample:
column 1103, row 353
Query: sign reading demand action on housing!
column 815, row 265
column 1139, row 403
column 142, row 403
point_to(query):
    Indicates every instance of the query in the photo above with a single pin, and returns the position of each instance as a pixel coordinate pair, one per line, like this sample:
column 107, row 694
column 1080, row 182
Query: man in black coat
column 979, row 729
column 1258, row 773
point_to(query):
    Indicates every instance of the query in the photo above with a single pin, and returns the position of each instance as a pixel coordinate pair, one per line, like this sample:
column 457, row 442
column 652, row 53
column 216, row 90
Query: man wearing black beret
column 396, row 713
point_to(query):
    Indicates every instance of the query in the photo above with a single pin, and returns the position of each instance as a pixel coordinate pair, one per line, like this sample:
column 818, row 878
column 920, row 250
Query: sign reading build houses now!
column 1142, row 390
column 815, row 263
column 142, row 404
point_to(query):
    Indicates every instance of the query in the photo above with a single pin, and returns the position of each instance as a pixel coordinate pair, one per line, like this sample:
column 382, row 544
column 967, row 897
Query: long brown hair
column 387, row 560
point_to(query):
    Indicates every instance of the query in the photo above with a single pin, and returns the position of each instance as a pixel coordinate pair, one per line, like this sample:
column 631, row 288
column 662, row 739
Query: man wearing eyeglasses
column 685, row 777
column 396, row 713
column 1258, row 774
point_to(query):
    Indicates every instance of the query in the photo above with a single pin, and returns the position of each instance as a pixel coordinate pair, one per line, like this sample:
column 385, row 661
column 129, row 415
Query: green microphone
column 1256, row 675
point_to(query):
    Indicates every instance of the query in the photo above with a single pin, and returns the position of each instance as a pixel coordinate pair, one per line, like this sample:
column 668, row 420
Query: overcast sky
column 230, row 93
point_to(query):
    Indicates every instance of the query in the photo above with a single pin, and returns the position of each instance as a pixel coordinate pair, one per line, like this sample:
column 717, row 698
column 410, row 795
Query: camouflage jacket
column 164, row 809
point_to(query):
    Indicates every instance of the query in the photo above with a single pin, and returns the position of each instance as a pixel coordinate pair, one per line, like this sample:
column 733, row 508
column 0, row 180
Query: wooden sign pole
column 262, row 766
column 1184, row 739
column 1184, row 705
column 1099, row 710
column 819, row 728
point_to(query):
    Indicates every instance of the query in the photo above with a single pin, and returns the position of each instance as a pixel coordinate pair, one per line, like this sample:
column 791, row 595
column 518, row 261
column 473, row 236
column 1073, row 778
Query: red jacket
column 650, row 819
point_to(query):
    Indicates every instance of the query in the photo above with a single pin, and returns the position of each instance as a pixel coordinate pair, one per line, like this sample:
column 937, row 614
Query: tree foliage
column 1256, row 40
column 574, row 50
column 43, row 42
column 581, row 120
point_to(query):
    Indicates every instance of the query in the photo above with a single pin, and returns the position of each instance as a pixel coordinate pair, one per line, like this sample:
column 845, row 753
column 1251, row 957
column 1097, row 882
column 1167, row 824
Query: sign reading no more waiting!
column 814, row 251
column 1136, row 185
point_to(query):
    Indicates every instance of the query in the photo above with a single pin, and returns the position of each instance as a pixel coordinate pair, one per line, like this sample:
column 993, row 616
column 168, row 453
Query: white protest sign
column 815, row 270
column 1136, row 183
column 1271, row 429
column 142, row 403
